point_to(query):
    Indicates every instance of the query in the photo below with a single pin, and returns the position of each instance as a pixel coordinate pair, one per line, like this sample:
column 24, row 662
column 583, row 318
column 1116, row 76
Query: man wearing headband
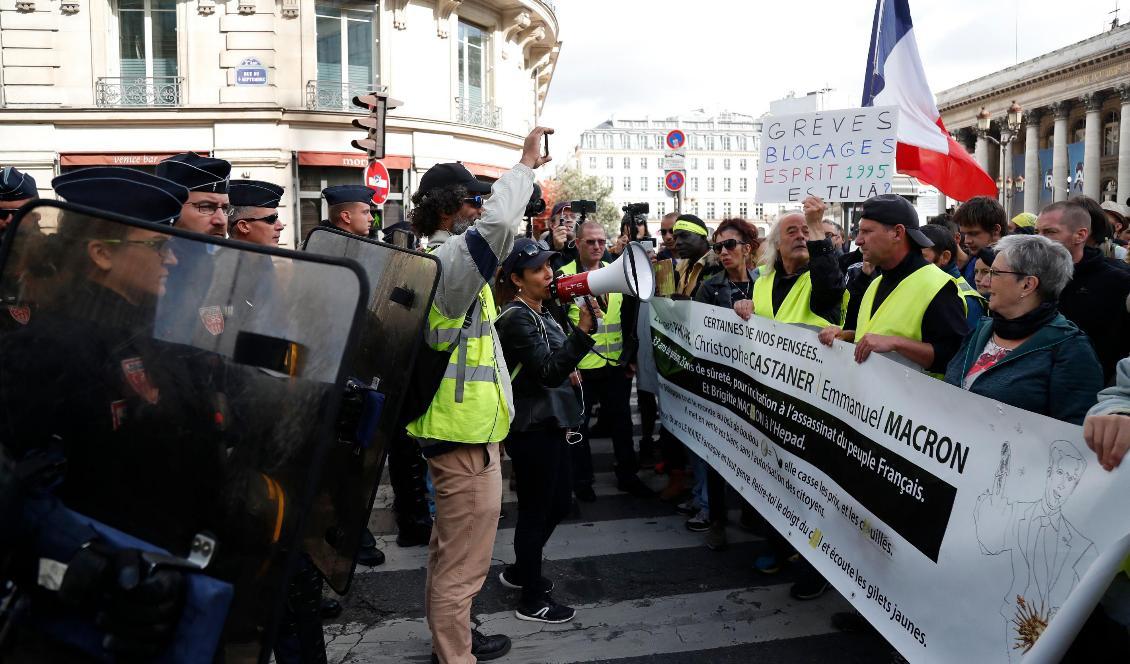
column 923, row 319
column 692, row 246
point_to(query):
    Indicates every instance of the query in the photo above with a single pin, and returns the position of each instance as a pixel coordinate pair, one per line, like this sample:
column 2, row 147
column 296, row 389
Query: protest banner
column 841, row 156
column 958, row 526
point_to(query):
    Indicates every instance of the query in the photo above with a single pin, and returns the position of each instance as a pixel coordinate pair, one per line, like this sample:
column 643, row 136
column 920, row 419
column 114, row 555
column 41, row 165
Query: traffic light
column 376, row 104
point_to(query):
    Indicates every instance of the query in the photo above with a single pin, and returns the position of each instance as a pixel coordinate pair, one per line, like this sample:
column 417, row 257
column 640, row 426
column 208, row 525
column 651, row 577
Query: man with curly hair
column 470, row 414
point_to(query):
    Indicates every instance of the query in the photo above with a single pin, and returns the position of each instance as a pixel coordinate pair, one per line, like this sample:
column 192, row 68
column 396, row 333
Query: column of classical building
column 982, row 152
column 1124, row 144
column 1092, row 145
column 1033, row 181
column 1059, row 109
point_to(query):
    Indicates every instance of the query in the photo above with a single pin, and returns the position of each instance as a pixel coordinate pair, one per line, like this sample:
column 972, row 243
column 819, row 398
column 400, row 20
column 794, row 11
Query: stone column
column 1092, row 146
column 982, row 152
column 1059, row 150
column 1124, row 144
column 1033, row 180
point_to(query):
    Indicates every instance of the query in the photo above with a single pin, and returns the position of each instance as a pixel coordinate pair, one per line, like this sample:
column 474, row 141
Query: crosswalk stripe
column 571, row 540
column 604, row 631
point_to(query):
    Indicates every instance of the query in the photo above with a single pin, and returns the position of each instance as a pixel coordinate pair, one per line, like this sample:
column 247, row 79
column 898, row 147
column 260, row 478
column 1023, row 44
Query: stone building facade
column 267, row 84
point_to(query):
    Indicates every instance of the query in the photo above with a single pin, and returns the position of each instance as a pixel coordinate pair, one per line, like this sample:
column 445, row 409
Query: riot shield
column 403, row 283
column 203, row 451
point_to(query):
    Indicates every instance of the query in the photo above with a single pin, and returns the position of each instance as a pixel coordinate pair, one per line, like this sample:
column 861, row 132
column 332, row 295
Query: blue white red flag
column 895, row 78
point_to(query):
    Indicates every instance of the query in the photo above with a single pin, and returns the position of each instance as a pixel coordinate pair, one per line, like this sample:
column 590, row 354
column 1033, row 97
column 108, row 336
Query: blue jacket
column 974, row 309
column 1053, row 373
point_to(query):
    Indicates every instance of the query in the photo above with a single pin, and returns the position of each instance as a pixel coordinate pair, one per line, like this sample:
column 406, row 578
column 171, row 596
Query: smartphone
column 545, row 145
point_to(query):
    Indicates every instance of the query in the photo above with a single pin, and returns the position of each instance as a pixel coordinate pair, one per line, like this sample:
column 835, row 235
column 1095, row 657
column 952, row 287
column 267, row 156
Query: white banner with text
column 957, row 525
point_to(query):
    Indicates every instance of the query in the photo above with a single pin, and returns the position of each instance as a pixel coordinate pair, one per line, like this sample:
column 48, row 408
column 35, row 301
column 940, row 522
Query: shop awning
column 351, row 160
column 119, row 158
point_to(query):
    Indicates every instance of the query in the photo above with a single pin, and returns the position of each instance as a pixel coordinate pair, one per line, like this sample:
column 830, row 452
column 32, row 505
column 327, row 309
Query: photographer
column 548, row 414
column 560, row 234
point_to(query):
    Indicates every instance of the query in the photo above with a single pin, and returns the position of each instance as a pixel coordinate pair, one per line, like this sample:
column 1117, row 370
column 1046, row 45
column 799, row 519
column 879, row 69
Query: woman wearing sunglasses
column 548, row 413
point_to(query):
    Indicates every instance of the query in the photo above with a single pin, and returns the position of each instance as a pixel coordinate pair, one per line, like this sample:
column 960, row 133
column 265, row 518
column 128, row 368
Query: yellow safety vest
column 965, row 290
column 795, row 308
column 901, row 313
column 470, row 404
column 609, row 337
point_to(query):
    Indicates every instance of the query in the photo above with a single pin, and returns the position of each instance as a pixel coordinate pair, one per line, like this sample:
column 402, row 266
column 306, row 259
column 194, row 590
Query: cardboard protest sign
column 840, row 156
column 963, row 529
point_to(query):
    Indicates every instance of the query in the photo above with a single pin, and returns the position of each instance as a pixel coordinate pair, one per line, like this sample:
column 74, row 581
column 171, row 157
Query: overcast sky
column 661, row 57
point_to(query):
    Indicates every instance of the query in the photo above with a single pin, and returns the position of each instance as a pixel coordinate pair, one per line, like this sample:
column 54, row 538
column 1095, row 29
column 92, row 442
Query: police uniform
column 189, row 312
column 15, row 188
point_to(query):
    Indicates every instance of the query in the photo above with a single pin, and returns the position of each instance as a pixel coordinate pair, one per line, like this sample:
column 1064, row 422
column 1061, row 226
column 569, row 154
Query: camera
column 536, row 205
column 636, row 208
column 583, row 207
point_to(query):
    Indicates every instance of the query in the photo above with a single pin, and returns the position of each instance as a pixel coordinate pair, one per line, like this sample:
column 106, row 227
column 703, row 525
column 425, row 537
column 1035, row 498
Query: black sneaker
column 486, row 648
column 546, row 611
column 584, row 493
column 370, row 556
column 808, row 589
column 414, row 534
column 330, row 608
column 508, row 578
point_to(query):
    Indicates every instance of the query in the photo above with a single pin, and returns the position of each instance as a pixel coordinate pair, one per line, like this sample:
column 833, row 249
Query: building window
column 643, row 163
column 726, row 144
column 743, row 144
column 627, row 163
column 694, row 208
column 643, row 183
column 758, row 210
column 659, row 184
column 727, row 210
column 743, row 184
column 743, row 209
column 742, row 164
column 589, row 140
column 709, row 140
column 694, row 162
column 592, row 162
column 610, row 163
column 608, row 181
column 726, row 184
column 606, row 141
column 627, row 184
column 147, row 38
column 710, row 209
column 710, row 164
column 696, row 141
column 1110, row 136
column 692, row 184
column 473, row 47
column 710, row 184
column 661, row 208
column 725, row 164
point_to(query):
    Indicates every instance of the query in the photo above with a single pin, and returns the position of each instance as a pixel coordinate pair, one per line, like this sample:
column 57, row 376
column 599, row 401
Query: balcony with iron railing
column 333, row 95
column 480, row 114
column 114, row 92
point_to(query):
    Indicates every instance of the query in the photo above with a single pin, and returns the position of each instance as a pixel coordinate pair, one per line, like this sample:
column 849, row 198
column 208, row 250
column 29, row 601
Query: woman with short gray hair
column 1025, row 353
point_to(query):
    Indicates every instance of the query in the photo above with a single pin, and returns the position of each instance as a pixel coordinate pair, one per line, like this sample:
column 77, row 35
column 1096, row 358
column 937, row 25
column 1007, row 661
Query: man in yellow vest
column 912, row 308
column 799, row 280
column 604, row 378
column 473, row 406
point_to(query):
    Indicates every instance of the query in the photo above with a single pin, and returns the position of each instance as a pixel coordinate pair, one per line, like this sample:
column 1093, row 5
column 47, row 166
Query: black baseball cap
column 891, row 210
column 451, row 175
column 559, row 206
column 526, row 253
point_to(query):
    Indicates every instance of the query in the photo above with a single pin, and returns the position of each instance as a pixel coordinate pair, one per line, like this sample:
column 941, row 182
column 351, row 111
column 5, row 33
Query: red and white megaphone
column 630, row 274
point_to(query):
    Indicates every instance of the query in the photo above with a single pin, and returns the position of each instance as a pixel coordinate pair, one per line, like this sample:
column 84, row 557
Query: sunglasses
column 160, row 245
column 666, row 231
column 270, row 219
column 594, row 243
column 474, row 201
column 531, row 250
column 728, row 245
column 211, row 208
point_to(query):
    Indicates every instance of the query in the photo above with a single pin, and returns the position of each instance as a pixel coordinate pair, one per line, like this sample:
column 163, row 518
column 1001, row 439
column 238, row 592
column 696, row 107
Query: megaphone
column 630, row 274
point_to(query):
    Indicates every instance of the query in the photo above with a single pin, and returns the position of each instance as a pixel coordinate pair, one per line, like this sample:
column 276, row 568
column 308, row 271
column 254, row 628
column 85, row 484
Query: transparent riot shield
column 403, row 283
column 197, row 439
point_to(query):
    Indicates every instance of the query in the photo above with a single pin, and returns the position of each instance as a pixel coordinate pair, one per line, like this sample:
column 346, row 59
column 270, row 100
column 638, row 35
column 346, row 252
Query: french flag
column 895, row 78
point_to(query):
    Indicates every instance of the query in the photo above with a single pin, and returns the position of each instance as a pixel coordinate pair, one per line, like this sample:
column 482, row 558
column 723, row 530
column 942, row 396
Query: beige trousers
column 468, row 487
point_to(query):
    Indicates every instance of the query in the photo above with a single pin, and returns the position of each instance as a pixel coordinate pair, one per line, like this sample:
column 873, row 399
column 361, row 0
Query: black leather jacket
column 540, row 358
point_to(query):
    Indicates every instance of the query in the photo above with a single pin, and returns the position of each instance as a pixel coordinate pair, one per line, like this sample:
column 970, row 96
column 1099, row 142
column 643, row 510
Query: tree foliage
column 569, row 184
